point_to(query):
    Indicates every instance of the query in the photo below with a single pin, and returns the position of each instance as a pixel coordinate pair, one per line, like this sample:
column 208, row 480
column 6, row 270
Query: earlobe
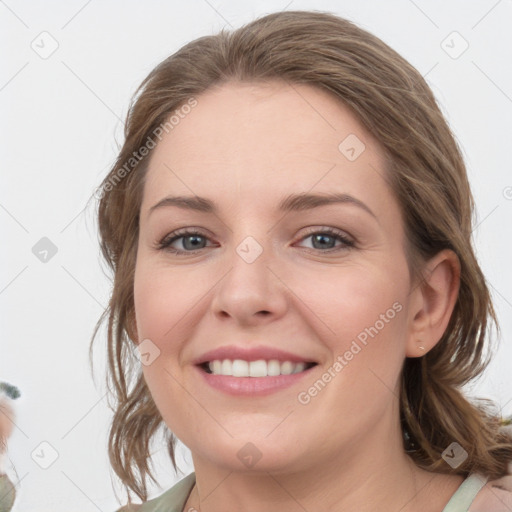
column 433, row 302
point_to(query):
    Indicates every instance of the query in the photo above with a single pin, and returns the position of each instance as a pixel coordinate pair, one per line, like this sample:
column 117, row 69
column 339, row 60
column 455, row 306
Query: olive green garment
column 7, row 493
column 172, row 500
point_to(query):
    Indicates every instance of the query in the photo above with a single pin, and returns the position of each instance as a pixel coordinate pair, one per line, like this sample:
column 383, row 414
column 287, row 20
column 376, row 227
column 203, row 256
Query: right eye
column 190, row 241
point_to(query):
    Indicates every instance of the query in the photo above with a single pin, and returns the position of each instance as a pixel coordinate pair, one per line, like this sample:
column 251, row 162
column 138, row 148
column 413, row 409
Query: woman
column 289, row 227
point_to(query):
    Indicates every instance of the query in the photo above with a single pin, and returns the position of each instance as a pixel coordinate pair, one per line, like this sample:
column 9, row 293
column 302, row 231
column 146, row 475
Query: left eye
column 323, row 240
column 326, row 240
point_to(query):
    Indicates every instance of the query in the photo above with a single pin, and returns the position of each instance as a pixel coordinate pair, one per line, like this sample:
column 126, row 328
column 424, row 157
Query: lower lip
column 252, row 386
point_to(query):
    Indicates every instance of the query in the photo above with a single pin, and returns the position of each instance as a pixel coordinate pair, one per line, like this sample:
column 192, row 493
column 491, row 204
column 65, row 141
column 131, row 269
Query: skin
column 245, row 147
column 6, row 420
column 6, row 428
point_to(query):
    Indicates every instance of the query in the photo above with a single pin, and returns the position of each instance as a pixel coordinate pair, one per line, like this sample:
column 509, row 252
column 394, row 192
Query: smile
column 259, row 368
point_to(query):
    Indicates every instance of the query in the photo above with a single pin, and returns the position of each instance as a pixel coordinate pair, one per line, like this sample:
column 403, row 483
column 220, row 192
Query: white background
column 61, row 118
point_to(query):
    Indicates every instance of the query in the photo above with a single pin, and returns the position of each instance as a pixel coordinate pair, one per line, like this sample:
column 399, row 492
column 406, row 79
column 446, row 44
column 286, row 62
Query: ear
column 431, row 303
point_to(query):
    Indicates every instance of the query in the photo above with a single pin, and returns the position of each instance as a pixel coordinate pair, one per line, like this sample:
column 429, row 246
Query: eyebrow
column 293, row 202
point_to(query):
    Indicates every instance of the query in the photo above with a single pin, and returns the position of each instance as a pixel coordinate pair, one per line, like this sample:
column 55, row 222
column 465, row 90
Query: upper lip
column 250, row 354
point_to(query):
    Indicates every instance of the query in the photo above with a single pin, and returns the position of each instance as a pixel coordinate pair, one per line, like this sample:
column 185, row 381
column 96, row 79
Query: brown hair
column 427, row 174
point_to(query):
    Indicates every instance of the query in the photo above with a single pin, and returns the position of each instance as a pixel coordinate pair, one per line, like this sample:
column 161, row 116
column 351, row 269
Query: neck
column 371, row 473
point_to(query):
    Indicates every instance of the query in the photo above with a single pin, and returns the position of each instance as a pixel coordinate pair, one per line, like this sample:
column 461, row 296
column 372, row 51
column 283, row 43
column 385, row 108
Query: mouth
column 257, row 369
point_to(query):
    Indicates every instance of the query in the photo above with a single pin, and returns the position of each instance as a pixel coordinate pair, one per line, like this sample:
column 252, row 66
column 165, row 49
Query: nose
column 251, row 293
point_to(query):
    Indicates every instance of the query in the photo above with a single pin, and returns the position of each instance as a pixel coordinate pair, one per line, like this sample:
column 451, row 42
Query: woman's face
column 273, row 274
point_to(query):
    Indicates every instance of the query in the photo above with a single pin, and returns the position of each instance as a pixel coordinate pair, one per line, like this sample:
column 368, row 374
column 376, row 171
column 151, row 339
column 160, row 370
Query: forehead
column 266, row 138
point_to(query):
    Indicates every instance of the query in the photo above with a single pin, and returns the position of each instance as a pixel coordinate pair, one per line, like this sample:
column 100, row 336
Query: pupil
column 322, row 238
column 195, row 240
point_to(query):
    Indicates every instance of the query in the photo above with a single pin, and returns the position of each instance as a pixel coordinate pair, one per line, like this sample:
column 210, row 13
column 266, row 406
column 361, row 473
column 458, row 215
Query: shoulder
column 172, row 500
column 495, row 496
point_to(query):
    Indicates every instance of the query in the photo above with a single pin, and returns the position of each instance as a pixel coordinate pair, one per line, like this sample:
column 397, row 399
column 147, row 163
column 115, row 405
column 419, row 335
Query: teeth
column 240, row 368
column 257, row 368
column 260, row 368
column 226, row 367
column 217, row 367
column 286, row 368
column 273, row 368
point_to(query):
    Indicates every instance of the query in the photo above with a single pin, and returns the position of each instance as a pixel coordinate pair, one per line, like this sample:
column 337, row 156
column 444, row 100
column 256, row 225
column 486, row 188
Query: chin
column 251, row 454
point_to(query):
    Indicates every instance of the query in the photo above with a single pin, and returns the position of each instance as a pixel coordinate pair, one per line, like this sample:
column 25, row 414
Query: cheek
column 351, row 300
column 363, row 311
column 163, row 303
column 162, row 300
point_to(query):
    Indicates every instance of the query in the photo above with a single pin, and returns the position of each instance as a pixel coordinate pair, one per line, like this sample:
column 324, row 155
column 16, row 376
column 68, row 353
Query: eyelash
column 165, row 243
